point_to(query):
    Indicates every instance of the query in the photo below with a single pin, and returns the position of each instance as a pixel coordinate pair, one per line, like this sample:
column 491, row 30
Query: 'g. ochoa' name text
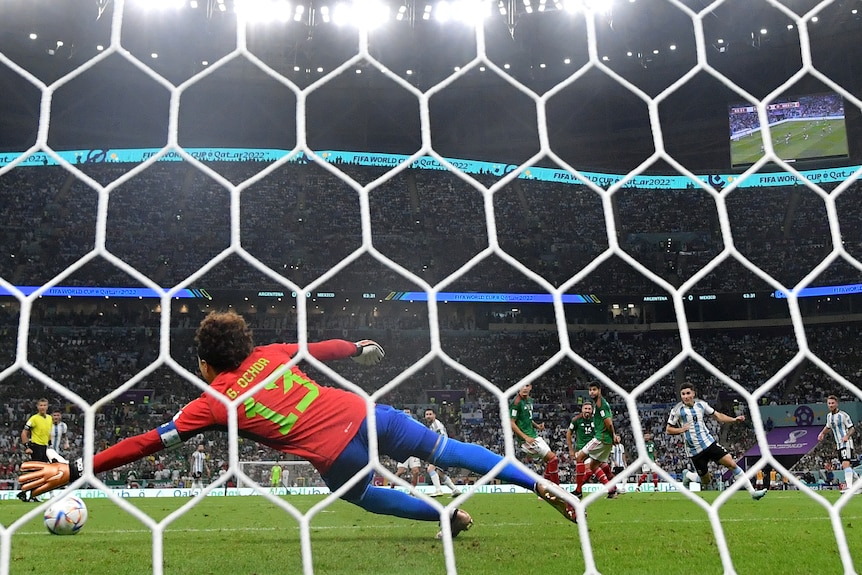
column 247, row 378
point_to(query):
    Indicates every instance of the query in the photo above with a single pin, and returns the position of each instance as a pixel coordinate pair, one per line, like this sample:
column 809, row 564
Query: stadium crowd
column 429, row 222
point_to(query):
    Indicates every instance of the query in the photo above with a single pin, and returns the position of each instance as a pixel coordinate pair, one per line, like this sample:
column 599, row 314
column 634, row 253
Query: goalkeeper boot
column 566, row 509
column 460, row 521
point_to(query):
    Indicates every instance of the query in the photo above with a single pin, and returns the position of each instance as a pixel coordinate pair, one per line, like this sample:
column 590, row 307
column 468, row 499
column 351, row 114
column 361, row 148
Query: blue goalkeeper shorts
column 398, row 435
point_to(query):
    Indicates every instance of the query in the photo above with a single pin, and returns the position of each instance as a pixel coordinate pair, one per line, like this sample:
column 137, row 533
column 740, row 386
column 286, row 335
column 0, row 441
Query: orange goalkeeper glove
column 43, row 477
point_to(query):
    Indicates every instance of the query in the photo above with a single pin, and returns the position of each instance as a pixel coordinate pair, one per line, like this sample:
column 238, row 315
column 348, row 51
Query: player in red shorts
column 294, row 414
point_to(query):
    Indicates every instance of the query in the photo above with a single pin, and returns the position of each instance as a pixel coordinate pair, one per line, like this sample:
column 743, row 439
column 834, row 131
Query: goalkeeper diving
column 294, row 414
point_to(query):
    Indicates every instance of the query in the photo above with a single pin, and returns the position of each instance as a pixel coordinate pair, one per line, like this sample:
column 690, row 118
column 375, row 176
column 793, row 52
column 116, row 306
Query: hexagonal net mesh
column 597, row 208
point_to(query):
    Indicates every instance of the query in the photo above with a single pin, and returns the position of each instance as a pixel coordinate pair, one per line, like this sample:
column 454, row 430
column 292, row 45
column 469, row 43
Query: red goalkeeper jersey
column 292, row 413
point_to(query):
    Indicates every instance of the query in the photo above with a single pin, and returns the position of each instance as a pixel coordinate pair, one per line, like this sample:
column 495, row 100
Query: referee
column 35, row 437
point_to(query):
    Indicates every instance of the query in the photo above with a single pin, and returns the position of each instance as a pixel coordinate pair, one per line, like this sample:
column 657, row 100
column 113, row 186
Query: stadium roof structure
column 595, row 122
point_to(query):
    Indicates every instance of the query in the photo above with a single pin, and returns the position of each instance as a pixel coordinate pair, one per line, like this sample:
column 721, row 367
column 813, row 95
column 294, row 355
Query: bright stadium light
column 472, row 12
column 443, row 12
column 341, row 14
column 264, row 10
column 364, row 14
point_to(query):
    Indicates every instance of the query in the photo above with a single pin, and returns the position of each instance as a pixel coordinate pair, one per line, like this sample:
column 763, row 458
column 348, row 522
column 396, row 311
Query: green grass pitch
column 825, row 138
column 660, row 533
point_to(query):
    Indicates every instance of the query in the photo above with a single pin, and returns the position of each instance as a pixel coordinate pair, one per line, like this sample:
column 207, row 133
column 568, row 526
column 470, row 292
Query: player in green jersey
column 581, row 429
column 646, row 469
column 526, row 433
column 592, row 459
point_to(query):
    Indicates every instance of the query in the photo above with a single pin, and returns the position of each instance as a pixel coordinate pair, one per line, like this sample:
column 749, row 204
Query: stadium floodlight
column 364, row 14
column 263, row 10
column 33, row 36
column 472, row 12
column 443, row 12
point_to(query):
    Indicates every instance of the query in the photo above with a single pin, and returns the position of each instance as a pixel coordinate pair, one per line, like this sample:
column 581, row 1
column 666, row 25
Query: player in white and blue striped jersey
column 688, row 418
column 841, row 425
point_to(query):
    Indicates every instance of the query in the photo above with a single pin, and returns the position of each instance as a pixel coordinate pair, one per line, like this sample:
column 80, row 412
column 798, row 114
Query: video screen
column 805, row 127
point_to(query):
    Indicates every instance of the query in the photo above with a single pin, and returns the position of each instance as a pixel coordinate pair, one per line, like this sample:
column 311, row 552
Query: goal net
column 464, row 185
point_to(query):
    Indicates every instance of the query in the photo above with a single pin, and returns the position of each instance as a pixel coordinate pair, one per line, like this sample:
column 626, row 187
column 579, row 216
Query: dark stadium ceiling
column 650, row 43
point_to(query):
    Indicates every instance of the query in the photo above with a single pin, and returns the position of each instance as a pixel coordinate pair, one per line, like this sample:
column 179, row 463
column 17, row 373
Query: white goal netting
column 481, row 222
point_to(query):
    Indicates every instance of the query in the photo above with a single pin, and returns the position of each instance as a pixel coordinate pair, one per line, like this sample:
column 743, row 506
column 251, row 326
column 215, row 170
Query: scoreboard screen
column 806, row 127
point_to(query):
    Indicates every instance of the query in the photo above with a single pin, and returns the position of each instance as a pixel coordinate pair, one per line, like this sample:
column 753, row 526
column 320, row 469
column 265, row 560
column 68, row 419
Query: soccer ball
column 66, row 516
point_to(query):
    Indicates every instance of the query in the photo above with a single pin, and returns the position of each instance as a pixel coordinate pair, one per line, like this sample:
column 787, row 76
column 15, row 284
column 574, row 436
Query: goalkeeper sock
column 453, row 453
column 385, row 501
column 552, row 470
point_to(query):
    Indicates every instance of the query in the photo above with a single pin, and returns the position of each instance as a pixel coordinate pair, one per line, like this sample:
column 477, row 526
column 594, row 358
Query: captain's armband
column 169, row 435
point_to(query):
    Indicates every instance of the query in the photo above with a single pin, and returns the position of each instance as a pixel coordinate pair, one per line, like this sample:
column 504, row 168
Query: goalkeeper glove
column 43, row 477
column 368, row 352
